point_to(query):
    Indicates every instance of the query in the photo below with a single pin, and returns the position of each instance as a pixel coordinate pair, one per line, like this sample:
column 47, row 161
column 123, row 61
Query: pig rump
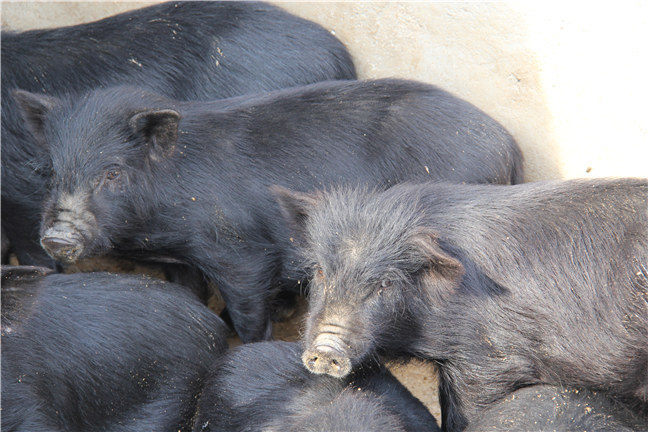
column 98, row 351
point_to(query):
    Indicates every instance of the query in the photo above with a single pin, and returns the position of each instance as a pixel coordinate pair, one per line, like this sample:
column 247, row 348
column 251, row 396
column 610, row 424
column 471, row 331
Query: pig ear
column 439, row 262
column 33, row 108
column 160, row 130
column 295, row 207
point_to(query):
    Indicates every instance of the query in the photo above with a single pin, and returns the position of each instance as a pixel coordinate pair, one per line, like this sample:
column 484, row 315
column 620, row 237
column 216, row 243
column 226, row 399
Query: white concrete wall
column 568, row 79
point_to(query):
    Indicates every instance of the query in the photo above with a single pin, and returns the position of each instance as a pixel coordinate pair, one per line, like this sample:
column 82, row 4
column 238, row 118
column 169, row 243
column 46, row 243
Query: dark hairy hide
column 98, row 351
column 184, row 50
column 263, row 386
column 503, row 287
column 136, row 172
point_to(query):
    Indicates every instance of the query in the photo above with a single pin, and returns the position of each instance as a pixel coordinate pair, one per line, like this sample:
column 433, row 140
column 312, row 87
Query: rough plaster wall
column 568, row 80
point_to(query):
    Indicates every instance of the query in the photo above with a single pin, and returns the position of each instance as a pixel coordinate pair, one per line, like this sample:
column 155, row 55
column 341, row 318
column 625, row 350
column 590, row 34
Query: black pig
column 98, row 352
column 134, row 171
column 545, row 408
column 264, row 387
column 503, row 287
column 185, row 50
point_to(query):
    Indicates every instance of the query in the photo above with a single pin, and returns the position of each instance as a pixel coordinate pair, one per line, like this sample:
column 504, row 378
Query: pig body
column 503, row 287
column 190, row 181
column 263, row 386
column 185, row 50
column 545, row 408
column 97, row 352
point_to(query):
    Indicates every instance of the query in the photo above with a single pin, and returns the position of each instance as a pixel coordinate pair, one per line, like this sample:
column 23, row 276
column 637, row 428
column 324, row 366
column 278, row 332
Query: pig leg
column 6, row 246
column 249, row 314
column 189, row 277
column 247, row 294
column 283, row 306
column 20, row 226
column 28, row 251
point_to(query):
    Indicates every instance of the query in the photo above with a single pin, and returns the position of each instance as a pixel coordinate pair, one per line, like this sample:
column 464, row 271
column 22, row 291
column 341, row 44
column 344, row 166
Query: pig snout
column 62, row 244
column 324, row 360
column 327, row 356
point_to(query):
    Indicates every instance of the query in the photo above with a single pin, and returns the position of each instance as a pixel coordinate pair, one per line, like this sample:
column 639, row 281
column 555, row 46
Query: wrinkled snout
column 327, row 356
column 325, row 360
column 62, row 244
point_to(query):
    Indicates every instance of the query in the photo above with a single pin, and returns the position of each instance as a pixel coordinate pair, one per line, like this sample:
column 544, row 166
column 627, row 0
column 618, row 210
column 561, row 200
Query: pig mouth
column 69, row 227
column 327, row 355
column 62, row 244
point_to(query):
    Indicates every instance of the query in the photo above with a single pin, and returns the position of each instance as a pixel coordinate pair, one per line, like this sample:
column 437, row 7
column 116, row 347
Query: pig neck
column 176, row 215
column 195, row 204
column 479, row 359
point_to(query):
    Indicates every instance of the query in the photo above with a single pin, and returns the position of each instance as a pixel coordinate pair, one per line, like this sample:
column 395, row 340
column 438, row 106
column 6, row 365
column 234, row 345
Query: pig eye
column 109, row 178
column 113, row 174
column 385, row 283
column 320, row 273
